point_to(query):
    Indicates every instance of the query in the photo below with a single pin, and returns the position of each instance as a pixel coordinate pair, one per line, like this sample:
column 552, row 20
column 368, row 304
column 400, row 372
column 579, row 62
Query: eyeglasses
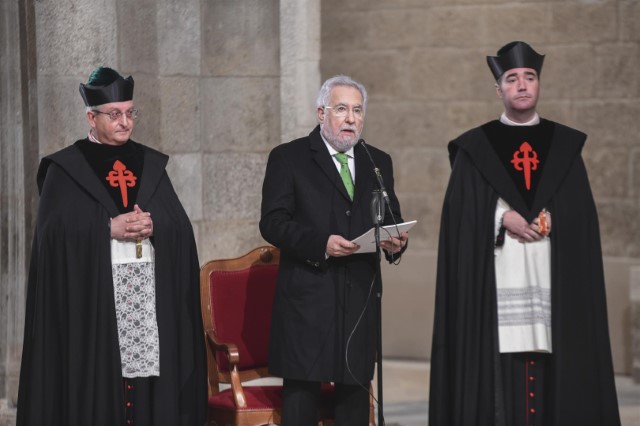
column 343, row 111
column 115, row 115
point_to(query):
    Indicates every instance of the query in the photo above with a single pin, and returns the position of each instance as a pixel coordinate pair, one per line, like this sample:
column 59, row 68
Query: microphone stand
column 379, row 201
column 377, row 214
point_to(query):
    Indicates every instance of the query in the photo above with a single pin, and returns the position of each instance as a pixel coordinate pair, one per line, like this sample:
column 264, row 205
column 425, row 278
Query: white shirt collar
column 92, row 137
column 505, row 120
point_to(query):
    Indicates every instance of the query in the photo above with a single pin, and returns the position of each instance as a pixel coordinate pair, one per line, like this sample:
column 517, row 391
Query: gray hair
column 339, row 80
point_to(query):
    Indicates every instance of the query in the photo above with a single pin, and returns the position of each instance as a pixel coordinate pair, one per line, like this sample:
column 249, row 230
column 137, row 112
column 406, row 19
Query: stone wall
column 207, row 85
column 423, row 63
column 18, row 161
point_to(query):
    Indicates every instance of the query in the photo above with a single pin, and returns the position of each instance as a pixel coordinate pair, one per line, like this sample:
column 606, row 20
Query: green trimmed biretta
column 105, row 85
column 516, row 54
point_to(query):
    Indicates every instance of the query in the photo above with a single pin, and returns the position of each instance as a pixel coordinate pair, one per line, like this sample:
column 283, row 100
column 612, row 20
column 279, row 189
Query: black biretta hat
column 516, row 54
column 105, row 85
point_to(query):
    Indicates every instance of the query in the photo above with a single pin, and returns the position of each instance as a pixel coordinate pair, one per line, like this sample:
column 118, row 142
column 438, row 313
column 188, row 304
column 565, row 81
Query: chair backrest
column 237, row 298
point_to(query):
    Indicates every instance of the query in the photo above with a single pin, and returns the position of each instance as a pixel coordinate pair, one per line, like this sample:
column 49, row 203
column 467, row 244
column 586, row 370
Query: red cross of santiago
column 525, row 163
column 122, row 177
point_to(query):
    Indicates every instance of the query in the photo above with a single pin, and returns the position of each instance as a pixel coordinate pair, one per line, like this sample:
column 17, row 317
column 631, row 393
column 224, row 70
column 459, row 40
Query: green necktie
column 345, row 173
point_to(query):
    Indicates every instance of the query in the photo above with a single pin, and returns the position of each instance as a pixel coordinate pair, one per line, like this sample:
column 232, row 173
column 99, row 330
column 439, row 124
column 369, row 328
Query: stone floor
column 406, row 393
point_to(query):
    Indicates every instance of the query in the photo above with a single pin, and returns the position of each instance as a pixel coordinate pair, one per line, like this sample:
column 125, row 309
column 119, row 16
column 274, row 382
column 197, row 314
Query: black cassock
column 71, row 372
column 466, row 381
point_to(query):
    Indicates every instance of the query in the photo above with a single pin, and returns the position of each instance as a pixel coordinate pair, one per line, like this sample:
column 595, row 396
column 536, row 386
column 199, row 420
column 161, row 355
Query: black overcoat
column 318, row 301
column 465, row 374
column 71, row 372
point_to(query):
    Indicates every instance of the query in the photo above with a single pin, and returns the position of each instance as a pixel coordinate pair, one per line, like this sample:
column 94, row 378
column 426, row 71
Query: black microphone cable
column 346, row 352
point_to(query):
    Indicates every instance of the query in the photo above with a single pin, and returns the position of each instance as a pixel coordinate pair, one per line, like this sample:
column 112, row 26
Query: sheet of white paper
column 367, row 241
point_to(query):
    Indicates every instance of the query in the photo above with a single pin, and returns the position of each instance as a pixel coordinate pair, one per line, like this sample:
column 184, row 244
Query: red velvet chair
column 236, row 297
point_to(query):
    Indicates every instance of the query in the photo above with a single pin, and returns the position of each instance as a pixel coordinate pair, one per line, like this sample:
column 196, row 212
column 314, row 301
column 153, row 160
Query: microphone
column 377, row 207
column 376, row 170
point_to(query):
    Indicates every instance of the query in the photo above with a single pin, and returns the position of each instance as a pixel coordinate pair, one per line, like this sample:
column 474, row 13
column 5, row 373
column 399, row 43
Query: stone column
column 299, row 66
column 18, row 160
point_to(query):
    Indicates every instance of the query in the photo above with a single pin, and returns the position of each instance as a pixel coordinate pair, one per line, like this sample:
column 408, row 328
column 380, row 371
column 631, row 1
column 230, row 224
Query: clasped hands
column 517, row 227
column 134, row 225
column 338, row 246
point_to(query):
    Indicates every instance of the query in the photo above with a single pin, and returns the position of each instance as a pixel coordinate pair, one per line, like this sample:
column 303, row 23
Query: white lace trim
column 135, row 298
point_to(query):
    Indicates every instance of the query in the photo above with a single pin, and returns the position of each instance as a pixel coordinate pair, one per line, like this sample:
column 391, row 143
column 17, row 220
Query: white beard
column 337, row 144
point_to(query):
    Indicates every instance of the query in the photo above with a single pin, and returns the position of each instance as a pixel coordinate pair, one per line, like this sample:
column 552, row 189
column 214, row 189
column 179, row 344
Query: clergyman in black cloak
column 520, row 332
column 113, row 332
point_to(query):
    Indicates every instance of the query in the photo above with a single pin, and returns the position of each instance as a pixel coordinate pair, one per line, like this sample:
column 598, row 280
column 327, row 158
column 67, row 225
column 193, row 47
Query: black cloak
column 466, row 384
column 71, row 372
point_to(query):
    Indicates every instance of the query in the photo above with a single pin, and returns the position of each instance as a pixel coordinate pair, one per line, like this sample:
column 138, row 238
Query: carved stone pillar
column 18, row 162
column 299, row 66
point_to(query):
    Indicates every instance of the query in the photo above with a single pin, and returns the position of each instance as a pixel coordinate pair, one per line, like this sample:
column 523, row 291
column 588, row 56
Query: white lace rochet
column 135, row 299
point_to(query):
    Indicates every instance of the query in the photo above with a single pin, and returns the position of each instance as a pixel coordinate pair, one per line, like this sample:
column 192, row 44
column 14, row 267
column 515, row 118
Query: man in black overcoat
column 520, row 333
column 316, row 199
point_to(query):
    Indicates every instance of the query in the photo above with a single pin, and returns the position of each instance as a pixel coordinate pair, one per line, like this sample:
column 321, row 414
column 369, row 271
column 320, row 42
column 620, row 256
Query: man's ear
column 321, row 114
column 91, row 118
